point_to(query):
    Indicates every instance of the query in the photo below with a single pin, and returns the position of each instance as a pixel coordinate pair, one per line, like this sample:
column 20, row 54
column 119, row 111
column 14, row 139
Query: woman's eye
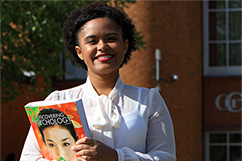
column 51, row 145
column 111, row 39
column 66, row 144
column 91, row 41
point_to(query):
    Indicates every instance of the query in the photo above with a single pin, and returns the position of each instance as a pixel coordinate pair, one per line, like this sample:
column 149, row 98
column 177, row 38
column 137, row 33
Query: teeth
column 103, row 57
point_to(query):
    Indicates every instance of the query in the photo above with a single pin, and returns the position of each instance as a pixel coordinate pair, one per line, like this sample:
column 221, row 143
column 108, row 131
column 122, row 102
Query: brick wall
column 175, row 28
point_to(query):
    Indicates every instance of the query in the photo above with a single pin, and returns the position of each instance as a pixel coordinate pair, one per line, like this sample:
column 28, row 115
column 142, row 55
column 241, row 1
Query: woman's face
column 59, row 142
column 101, row 46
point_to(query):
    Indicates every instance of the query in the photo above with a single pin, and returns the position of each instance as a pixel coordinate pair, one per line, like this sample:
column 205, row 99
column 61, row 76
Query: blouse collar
column 106, row 112
column 91, row 92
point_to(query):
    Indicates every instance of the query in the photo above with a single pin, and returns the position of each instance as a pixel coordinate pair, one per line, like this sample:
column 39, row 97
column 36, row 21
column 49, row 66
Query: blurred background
column 190, row 50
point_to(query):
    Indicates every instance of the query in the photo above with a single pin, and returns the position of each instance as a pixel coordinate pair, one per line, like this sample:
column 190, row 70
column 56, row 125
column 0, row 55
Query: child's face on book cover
column 59, row 142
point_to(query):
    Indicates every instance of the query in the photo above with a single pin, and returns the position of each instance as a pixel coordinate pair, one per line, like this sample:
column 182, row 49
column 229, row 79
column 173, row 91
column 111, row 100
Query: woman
column 126, row 122
column 58, row 133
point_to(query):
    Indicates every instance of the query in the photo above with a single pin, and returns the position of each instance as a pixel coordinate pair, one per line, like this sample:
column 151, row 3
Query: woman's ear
column 79, row 52
column 126, row 45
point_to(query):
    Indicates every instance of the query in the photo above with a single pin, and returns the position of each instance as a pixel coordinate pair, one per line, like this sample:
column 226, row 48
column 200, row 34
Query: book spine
column 82, row 116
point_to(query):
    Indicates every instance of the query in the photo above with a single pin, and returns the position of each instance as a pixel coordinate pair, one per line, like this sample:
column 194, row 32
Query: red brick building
column 201, row 43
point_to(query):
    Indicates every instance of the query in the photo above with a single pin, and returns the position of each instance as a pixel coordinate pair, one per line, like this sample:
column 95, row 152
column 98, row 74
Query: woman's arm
column 160, row 141
column 31, row 150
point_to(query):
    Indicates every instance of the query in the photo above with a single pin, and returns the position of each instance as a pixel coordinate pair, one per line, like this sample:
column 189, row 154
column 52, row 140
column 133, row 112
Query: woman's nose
column 57, row 153
column 62, row 152
column 102, row 46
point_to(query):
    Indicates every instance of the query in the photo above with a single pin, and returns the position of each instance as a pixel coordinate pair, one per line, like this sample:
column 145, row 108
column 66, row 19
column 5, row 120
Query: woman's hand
column 89, row 149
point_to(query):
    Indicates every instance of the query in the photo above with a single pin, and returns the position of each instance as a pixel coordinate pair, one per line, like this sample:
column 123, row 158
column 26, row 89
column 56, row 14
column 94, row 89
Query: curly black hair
column 79, row 17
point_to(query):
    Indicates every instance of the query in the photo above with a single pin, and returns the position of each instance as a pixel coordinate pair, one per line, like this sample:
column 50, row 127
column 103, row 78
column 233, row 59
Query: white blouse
column 133, row 120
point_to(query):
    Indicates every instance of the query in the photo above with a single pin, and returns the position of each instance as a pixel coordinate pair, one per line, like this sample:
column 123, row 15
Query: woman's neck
column 103, row 84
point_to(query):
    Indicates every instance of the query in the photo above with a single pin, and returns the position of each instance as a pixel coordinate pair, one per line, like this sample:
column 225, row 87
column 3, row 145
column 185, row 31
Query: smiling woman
column 101, row 46
column 127, row 123
column 78, row 20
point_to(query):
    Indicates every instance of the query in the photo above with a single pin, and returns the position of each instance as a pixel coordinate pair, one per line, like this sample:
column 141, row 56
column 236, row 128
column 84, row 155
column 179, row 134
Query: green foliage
column 31, row 40
column 140, row 42
column 32, row 112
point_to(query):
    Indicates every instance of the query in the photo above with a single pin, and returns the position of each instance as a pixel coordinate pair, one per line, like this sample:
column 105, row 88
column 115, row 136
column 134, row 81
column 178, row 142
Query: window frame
column 217, row 70
column 228, row 144
column 72, row 72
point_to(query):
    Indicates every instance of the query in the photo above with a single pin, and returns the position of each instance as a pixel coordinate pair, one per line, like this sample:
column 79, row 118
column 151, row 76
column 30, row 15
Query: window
column 223, row 146
column 222, row 37
column 72, row 72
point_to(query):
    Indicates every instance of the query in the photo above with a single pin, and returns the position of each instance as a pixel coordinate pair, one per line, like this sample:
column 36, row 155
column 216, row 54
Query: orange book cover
column 57, row 126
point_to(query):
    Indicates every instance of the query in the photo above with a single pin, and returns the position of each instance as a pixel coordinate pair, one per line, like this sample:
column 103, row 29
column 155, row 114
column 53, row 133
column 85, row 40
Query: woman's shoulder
column 70, row 93
column 146, row 94
column 137, row 89
column 150, row 97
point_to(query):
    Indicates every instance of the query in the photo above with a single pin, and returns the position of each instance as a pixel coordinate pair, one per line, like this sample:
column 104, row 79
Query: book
column 57, row 126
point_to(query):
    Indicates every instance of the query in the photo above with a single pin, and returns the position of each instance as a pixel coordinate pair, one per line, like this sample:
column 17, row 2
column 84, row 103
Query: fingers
column 85, row 148
column 80, row 147
column 86, row 140
column 84, row 158
column 92, row 150
column 87, row 152
column 84, row 143
column 85, row 155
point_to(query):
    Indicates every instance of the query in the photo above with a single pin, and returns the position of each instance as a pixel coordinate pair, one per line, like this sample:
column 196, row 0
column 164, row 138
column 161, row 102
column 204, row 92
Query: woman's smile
column 101, row 46
column 104, row 57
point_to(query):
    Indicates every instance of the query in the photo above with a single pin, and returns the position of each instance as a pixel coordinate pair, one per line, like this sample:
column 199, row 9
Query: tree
column 31, row 41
